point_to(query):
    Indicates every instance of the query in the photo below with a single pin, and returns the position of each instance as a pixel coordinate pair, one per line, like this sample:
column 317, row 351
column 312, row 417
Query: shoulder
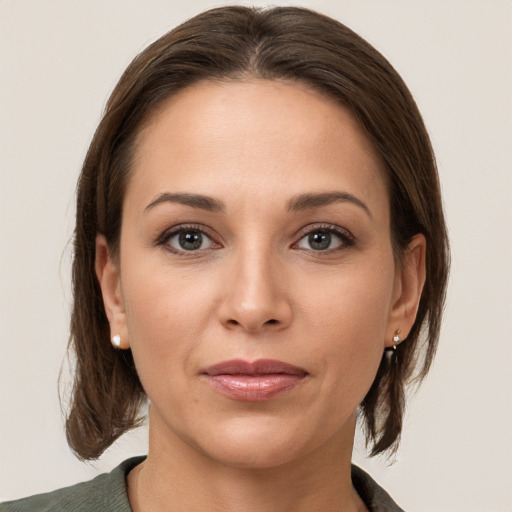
column 106, row 492
column 372, row 494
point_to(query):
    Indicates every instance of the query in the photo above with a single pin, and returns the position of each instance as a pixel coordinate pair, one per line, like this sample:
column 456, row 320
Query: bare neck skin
column 176, row 477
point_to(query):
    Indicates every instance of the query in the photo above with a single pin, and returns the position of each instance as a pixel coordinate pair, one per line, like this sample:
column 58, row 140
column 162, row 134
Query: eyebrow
column 307, row 201
column 199, row 201
column 298, row 203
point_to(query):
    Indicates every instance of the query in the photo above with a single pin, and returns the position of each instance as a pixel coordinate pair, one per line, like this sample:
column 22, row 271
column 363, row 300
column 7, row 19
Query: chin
column 258, row 446
column 253, row 456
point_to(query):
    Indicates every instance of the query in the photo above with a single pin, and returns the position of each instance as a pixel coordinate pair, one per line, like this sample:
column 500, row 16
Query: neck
column 177, row 476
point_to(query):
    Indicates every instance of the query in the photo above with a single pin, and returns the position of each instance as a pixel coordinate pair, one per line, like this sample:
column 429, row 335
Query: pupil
column 191, row 240
column 320, row 240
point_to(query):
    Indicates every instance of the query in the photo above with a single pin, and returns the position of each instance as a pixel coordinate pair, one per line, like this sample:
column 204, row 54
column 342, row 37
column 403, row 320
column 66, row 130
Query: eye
column 189, row 240
column 325, row 239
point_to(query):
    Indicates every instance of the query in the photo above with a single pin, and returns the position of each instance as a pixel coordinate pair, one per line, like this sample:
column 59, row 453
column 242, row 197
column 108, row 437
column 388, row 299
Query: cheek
column 348, row 318
column 355, row 301
column 165, row 315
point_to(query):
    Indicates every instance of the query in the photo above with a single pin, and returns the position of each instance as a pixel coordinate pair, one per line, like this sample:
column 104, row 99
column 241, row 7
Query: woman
column 259, row 245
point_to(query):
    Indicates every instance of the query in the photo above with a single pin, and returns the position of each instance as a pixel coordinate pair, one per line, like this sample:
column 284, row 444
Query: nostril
column 234, row 322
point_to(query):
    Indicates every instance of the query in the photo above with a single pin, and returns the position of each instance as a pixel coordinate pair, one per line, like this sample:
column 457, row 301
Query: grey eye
column 320, row 240
column 190, row 240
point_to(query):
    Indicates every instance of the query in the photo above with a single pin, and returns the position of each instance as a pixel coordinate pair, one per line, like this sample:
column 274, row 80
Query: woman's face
column 255, row 227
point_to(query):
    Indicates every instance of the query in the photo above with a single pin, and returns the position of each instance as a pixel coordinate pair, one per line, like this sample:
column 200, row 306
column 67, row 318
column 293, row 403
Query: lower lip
column 253, row 388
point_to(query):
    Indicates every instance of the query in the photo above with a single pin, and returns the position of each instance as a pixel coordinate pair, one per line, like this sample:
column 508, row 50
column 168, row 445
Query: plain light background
column 59, row 60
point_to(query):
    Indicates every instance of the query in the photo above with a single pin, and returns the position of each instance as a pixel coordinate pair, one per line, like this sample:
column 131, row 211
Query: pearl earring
column 116, row 340
column 396, row 339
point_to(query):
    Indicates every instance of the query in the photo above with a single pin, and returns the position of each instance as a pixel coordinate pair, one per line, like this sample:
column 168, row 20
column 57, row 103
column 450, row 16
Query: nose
column 256, row 295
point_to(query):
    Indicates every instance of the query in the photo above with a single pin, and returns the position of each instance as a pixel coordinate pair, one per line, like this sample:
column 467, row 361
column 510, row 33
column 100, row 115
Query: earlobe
column 107, row 273
column 408, row 289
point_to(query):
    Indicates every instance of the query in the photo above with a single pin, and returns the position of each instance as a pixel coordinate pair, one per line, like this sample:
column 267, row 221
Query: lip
column 255, row 381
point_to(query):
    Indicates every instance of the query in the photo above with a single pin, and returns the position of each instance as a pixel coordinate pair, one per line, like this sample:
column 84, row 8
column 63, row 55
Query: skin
column 256, row 288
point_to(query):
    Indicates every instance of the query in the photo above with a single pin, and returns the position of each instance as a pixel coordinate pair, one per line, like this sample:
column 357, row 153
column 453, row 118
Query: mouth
column 255, row 381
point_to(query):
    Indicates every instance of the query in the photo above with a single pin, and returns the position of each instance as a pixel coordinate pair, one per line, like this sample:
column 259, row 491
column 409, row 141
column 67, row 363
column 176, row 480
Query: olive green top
column 107, row 493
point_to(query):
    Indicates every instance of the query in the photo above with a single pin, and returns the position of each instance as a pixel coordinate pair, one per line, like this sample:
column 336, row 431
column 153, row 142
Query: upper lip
column 258, row 367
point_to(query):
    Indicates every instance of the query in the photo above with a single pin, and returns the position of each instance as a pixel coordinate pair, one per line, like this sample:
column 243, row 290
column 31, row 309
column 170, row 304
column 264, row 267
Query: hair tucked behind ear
column 107, row 393
column 236, row 43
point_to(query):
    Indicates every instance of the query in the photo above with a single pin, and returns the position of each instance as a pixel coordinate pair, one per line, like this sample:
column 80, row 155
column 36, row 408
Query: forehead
column 253, row 135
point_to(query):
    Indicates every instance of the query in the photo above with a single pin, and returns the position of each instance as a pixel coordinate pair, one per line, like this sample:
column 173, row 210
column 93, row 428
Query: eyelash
column 346, row 238
column 166, row 236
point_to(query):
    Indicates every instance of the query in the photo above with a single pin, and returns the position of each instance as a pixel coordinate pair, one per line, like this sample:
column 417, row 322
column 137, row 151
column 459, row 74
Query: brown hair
column 233, row 43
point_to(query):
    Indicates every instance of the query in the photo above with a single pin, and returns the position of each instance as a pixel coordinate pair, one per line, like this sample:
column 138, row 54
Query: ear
column 409, row 283
column 107, row 272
